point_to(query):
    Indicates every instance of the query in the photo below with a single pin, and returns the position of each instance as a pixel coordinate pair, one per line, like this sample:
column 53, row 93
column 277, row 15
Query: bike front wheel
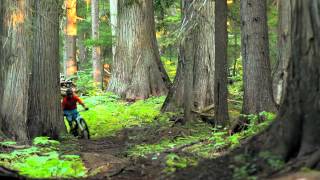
column 84, row 131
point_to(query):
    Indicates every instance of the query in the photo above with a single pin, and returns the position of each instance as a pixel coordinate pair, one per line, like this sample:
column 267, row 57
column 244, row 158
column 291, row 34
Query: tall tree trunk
column 113, row 17
column 221, row 66
column 96, row 52
column 83, row 53
column 137, row 69
column 44, row 113
column 198, row 46
column 2, row 63
column 70, row 64
column 284, row 46
column 15, row 62
column 255, row 55
column 29, row 86
column 295, row 132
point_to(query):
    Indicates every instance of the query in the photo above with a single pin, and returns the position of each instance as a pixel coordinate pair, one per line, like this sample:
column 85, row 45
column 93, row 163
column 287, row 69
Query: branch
column 14, row 146
column 177, row 149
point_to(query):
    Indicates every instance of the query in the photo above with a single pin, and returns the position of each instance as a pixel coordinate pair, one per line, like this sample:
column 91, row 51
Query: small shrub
column 174, row 162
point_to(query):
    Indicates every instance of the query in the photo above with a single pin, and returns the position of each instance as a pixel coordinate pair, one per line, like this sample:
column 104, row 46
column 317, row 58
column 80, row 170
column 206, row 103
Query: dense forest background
column 176, row 89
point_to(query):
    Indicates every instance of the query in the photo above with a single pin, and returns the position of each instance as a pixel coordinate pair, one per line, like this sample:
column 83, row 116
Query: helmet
column 69, row 92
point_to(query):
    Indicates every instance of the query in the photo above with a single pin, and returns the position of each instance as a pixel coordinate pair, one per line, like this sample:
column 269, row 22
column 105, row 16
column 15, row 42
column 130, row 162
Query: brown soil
column 106, row 158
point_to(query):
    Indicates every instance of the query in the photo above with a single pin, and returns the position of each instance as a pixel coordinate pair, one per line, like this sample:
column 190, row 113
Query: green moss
column 108, row 115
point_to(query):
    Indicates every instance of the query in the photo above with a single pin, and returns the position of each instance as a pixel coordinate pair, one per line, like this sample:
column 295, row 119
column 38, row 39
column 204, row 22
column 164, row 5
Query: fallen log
column 6, row 173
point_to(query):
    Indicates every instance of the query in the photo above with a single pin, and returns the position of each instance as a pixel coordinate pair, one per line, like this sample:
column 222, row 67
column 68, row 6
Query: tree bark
column 15, row 61
column 44, row 112
column 255, row 55
column 96, row 51
column 198, row 46
column 83, row 52
column 113, row 17
column 221, row 66
column 2, row 64
column 284, row 46
column 137, row 70
column 29, row 86
column 70, row 64
column 295, row 132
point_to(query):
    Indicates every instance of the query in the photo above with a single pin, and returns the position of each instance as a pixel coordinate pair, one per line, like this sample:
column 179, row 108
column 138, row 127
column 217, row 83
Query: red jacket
column 70, row 103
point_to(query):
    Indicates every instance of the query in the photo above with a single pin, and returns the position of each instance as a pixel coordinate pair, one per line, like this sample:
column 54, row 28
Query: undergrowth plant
column 42, row 160
column 202, row 143
column 174, row 162
column 200, row 131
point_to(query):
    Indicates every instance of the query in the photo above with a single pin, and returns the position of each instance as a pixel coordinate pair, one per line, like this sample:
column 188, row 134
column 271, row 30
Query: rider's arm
column 81, row 102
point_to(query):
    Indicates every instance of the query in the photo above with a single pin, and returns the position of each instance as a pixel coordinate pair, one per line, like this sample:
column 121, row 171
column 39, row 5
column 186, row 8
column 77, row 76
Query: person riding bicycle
column 69, row 105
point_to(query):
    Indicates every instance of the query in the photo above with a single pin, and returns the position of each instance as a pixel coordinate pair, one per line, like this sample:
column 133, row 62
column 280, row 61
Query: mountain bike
column 79, row 127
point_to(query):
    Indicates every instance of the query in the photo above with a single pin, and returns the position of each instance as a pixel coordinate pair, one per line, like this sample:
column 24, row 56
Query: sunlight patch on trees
column 71, row 6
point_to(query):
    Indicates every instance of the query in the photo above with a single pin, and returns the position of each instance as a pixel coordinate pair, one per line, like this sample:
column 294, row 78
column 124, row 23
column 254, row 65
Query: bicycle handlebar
column 82, row 110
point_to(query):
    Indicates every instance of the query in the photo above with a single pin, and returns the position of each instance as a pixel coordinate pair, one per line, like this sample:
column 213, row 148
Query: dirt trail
column 106, row 159
column 108, row 156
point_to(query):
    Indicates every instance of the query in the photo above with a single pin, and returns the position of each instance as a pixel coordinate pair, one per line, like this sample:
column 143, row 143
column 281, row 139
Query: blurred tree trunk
column 255, row 55
column 221, row 65
column 137, row 70
column 294, row 135
column 83, row 52
column 29, row 86
column 44, row 112
column 113, row 17
column 2, row 63
column 96, row 51
column 196, row 49
column 284, row 47
column 70, row 63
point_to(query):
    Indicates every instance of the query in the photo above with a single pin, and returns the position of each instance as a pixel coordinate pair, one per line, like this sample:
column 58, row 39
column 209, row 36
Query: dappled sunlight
column 71, row 6
column 17, row 18
column 18, row 14
column 71, row 67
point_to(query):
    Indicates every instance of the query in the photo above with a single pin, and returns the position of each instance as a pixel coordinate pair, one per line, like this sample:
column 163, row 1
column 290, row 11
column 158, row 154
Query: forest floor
column 135, row 141
column 108, row 157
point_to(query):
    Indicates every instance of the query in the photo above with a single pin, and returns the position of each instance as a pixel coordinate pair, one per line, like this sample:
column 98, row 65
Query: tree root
column 10, row 174
column 314, row 160
column 14, row 146
column 308, row 161
column 180, row 148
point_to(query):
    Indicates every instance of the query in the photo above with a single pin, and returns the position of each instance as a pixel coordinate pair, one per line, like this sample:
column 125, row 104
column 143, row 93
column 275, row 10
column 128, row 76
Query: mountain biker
column 69, row 105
